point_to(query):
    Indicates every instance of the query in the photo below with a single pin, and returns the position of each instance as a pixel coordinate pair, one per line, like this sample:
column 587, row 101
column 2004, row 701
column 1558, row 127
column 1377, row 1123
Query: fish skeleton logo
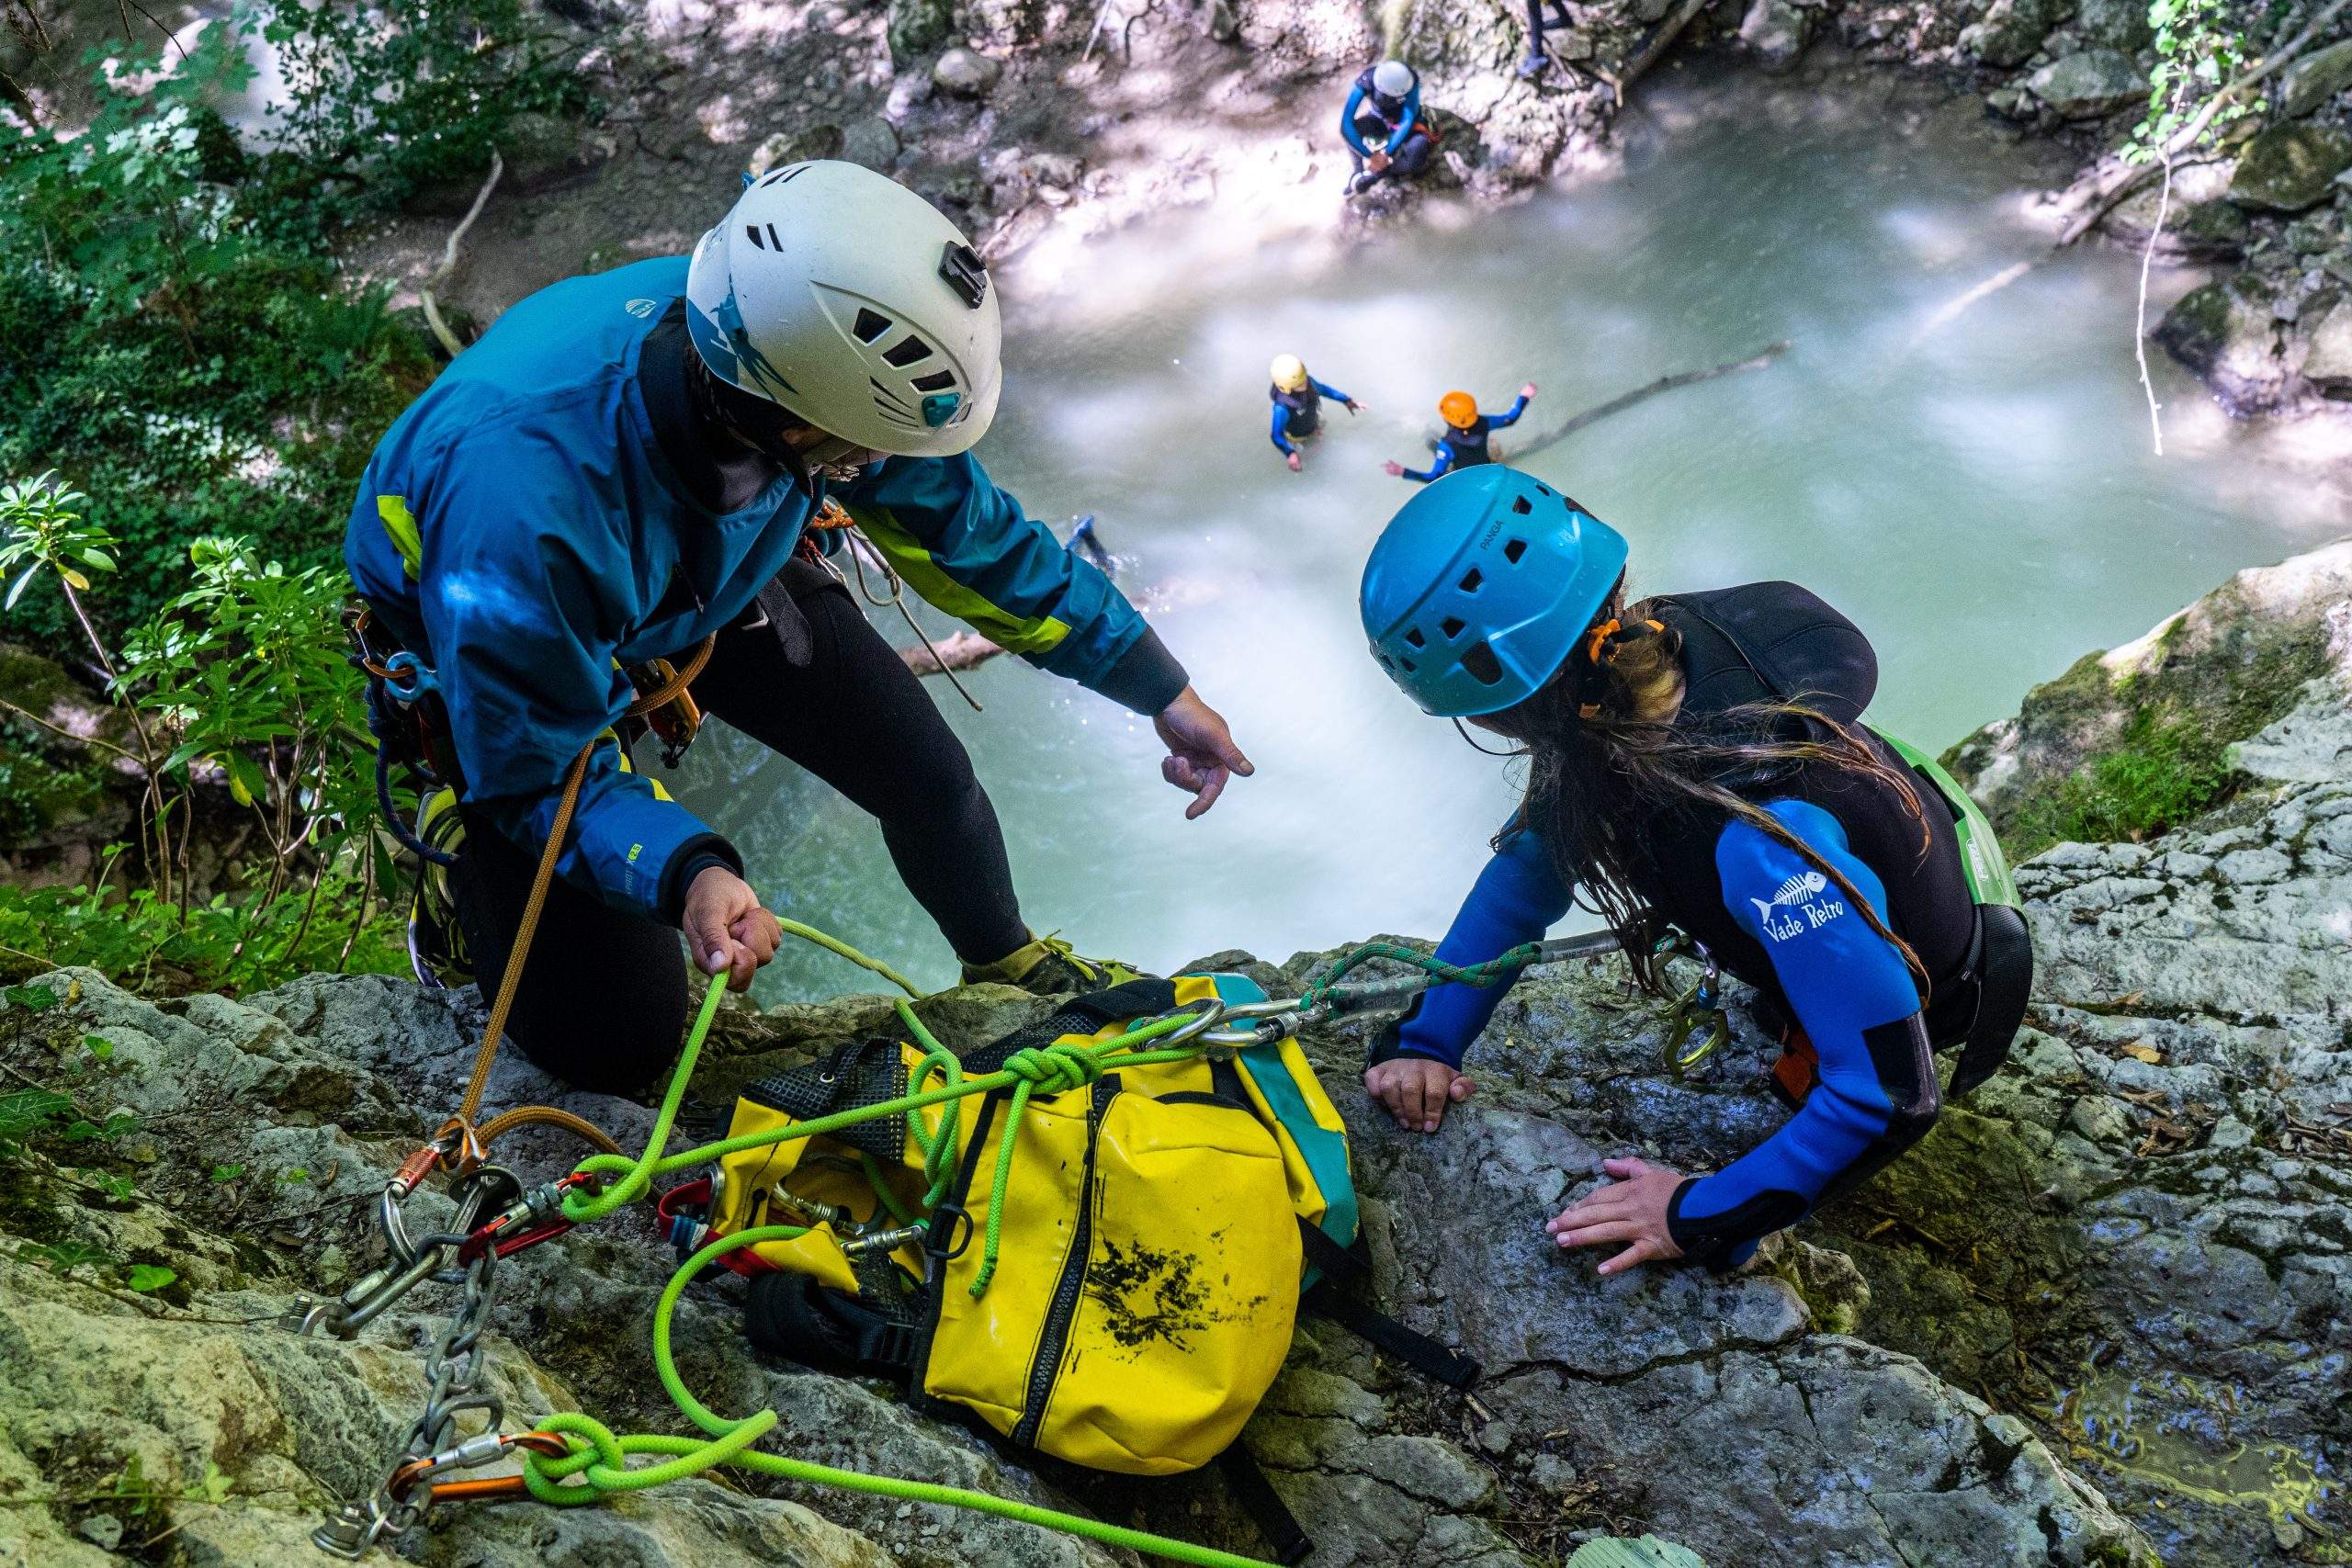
column 640, row 308
column 1796, row 896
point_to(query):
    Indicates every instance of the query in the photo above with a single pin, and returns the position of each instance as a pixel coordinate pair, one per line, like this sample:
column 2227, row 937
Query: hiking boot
column 1533, row 66
column 1362, row 181
column 1049, row 967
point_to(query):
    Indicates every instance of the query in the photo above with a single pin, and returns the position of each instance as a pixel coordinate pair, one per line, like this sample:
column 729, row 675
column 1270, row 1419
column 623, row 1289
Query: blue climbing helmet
column 1480, row 586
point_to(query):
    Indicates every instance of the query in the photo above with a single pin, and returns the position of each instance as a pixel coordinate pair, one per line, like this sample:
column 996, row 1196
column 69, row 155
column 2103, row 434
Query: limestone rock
column 2012, row 29
column 918, row 27
column 966, row 72
column 2115, row 24
column 2317, row 77
column 1776, row 32
column 872, row 141
column 2088, row 85
column 2327, row 363
column 2227, row 333
column 795, row 147
column 2234, row 661
column 2290, row 167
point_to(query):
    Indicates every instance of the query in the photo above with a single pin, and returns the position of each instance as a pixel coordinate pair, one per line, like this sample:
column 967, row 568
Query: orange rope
column 471, row 1145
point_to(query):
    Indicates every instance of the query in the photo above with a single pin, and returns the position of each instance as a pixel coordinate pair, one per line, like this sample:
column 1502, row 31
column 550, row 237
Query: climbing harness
column 497, row 1215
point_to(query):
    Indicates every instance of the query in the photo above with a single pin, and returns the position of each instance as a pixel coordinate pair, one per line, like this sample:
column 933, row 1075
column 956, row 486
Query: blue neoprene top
column 1846, row 986
column 1281, row 426
column 1443, row 460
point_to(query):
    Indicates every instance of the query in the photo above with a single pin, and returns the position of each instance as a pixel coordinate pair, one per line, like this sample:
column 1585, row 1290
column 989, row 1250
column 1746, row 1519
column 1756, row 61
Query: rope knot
column 1055, row 1068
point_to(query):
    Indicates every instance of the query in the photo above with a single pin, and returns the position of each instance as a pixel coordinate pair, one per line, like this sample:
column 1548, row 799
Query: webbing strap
column 1264, row 1505
column 1342, row 1265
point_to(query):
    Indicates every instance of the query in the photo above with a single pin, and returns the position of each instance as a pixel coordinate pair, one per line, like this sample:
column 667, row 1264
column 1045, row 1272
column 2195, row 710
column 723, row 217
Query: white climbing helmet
column 1393, row 78
column 854, row 304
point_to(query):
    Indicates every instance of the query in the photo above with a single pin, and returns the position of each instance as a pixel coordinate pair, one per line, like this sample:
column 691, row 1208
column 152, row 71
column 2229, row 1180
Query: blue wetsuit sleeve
column 1407, row 123
column 967, row 548
column 1282, row 429
column 1439, row 461
column 1332, row 392
column 1850, row 992
column 1505, row 421
column 516, row 613
column 1347, row 130
column 1517, row 898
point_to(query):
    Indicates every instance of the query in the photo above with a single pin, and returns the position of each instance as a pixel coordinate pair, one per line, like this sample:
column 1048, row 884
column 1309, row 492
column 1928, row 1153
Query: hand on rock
column 1632, row 1209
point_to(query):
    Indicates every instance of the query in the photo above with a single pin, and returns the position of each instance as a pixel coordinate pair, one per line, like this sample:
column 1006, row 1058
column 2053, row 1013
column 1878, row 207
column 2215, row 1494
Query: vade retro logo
column 1796, row 907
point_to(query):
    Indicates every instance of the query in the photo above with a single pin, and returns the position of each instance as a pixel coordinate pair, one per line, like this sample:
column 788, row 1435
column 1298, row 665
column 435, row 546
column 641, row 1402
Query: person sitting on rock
column 1696, row 762
column 1384, row 108
column 1298, row 405
column 1463, row 443
column 629, row 464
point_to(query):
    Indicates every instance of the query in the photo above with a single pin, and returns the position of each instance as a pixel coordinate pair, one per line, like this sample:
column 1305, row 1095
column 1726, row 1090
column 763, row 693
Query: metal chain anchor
column 454, row 1370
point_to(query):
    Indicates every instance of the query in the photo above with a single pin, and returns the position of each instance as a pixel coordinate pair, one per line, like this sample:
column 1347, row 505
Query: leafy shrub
column 180, row 339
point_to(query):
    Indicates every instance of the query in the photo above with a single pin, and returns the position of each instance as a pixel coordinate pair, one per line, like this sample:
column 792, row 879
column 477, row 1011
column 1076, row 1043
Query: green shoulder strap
column 1981, row 860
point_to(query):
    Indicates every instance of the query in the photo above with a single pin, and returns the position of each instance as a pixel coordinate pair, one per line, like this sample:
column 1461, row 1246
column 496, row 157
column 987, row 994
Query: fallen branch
column 1624, row 401
column 958, row 650
column 449, row 259
column 2122, row 179
column 1654, row 51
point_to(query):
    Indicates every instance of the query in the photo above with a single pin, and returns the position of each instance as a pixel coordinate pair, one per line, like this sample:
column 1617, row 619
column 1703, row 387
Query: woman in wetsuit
column 1697, row 762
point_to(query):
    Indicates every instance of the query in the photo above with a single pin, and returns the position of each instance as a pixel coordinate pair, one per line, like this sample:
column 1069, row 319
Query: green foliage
column 42, row 525
column 416, row 105
column 25, row 1113
column 2197, row 56
column 229, row 944
column 2163, row 771
column 250, row 663
column 182, row 340
column 144, row 1277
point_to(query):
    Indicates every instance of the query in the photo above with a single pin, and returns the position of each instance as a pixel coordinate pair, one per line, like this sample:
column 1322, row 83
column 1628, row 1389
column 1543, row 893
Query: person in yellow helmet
column 1463, row 445
column 1298, row 404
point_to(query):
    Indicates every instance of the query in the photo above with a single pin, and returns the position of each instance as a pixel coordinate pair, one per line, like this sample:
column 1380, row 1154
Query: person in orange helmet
column 1463, row 445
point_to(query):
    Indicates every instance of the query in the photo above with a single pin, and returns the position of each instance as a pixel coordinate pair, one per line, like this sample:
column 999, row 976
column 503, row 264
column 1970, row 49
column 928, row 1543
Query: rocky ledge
column 2099, row 1316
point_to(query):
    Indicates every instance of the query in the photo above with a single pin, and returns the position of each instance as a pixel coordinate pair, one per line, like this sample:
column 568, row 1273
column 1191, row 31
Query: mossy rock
column 2132, row 741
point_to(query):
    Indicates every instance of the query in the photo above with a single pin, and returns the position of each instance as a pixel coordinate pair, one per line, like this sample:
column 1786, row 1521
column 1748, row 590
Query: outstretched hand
column 1632, row 1208
column 1353, row 406
column 1393, row 469
column 1201, row 753
column 1292, row 459
column 1528, row 391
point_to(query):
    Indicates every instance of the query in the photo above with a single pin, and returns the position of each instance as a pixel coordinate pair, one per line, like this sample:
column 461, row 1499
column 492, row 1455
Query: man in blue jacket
column 630, row 464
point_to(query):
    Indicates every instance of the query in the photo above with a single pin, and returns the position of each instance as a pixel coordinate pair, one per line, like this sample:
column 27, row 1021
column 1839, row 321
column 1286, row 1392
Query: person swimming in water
column 1298, row 399
column 1463, row 445
column 1697, row 764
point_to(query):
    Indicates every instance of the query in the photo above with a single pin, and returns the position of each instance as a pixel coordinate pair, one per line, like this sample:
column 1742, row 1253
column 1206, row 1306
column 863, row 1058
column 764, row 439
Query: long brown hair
column 1610, row 766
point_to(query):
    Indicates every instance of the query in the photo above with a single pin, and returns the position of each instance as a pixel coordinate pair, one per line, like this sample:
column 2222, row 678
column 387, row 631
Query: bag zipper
column 1063, row 1307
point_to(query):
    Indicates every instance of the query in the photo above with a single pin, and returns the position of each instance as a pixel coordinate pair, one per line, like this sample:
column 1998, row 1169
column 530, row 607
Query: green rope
column 598, row 1464
column 1486, row 974
column 835, row 946
column 580, row 1208
column 937, row 1140
column 1059, row 1067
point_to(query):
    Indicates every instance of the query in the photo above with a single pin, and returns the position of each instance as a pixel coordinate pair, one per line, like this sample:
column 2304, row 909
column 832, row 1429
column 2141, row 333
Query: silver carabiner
column 1284, row 1015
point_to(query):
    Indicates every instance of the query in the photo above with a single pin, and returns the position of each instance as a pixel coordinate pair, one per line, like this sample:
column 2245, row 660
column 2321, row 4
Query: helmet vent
column 787, row 172
column 1545, row 488
column 1483, row 666
column 1513, row 550
column 913, row 351
column 883, row 398
column 1522, row 505
column 1450, row 627
column 1472, row 581
column 751, row 232
column 1416, row 638
column 871, row 324
column 937, row 381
